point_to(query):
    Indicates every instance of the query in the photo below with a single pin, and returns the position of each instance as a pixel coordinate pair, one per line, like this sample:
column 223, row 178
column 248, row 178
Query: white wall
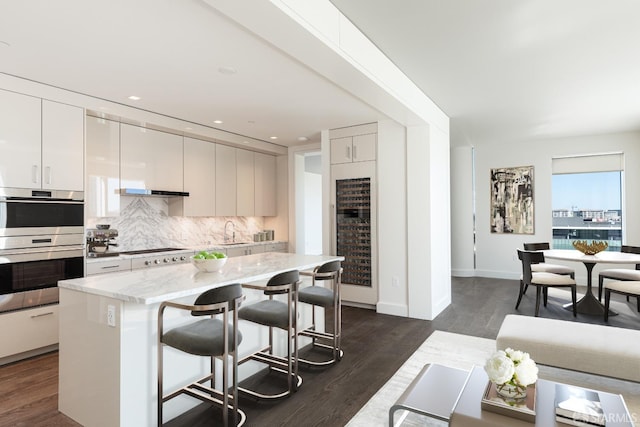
column 392, row 219
column 462, row 244
column 428, row 221
column 496, row 253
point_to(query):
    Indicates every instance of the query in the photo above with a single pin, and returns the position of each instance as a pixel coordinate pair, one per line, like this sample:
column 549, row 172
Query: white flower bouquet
column 511, row 371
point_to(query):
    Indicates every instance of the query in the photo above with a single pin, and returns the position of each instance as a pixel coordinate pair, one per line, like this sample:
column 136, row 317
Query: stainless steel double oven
column 41, row 242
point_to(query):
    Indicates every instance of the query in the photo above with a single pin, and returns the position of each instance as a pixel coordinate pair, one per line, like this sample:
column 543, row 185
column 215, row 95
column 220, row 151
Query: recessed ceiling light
column 302, row 138
column 188, row 128
column 273, row 137
column 4, row 44
column 218, row 122
column 227, row 70
column 245, row 142
column 134, row 98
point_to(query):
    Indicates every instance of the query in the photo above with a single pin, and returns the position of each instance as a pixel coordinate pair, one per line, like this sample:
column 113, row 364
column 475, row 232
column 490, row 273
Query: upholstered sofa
column 596, row 349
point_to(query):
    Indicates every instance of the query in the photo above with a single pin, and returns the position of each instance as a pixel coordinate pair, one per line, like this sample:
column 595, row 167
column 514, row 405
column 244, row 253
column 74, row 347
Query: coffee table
column 468, row 410
column 433, row 393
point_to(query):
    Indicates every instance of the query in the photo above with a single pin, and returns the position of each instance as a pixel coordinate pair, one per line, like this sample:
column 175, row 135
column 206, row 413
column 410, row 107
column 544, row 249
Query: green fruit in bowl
column 199, row 256
column 219, row 255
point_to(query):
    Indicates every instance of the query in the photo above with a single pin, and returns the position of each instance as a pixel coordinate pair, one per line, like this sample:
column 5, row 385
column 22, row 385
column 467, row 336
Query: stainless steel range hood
column 157, row 193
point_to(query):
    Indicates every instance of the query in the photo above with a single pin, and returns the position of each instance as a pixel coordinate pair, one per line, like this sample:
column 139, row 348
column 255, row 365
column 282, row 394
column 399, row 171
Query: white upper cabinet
column 341, row 150
column 364, row 148
column 245, row 173
column 20, row 140
column 150, row 159
column 62, row 146
column 199, row 177
column 41, row 143
column 359, row 148
column 225, row 180
column 265, row 184
column 103, row 168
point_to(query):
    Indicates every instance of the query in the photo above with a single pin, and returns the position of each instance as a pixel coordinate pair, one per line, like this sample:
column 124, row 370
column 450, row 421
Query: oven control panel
column 161, row 259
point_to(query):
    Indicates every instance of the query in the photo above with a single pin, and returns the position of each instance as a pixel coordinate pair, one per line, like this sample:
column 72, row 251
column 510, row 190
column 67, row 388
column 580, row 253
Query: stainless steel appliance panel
column 33, row 212
column 35, row 271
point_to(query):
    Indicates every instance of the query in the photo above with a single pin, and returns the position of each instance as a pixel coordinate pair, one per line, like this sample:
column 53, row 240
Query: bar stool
column 276, row 314
column 210, row 337
column 327, row 298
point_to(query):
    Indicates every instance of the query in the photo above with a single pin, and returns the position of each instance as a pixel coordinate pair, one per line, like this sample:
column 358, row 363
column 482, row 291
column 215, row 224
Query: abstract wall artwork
column 512, row 200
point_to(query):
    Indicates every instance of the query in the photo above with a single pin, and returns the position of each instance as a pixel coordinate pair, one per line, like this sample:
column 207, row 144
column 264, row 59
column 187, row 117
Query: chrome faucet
column 226, row 238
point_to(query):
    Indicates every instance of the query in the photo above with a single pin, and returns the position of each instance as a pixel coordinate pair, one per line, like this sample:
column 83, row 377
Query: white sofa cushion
column 597, row 349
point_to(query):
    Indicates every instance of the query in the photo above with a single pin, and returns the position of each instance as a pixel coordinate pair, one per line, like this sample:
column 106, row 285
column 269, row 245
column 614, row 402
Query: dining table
column 589, row 304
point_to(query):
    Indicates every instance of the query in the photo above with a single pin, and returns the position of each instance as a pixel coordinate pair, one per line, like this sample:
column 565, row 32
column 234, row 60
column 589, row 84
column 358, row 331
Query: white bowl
column 209, row 265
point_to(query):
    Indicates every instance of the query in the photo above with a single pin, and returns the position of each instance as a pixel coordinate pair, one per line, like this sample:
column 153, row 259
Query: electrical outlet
column 111, row 315
column 395, row 282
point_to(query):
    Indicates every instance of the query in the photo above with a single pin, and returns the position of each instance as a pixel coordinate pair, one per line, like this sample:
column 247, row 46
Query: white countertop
column 150, row 286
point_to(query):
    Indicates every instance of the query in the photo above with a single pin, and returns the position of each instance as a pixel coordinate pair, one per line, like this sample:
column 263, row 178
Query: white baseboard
column 399, row 310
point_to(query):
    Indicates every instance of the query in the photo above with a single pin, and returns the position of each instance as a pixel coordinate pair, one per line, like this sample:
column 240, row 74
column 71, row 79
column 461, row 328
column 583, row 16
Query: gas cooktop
column 151, row 251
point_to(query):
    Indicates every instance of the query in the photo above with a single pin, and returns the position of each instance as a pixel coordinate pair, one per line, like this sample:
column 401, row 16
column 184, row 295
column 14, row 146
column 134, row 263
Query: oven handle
column 51, row 201
column 40, row 255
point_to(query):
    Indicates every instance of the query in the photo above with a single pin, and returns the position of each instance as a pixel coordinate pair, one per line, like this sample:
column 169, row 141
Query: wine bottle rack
column 353, row 229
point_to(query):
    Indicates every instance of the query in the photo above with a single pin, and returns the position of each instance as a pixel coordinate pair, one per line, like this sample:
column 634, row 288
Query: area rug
column 463, row 351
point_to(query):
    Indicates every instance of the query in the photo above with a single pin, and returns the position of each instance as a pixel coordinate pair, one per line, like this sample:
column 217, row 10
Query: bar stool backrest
column 286, row 278
column 329, row 267
column 217, row 295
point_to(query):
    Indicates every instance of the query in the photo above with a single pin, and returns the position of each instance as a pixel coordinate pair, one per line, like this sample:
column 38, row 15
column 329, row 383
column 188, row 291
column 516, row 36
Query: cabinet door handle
column 49, row 313
column 355, row 152
column 348, row 152
column 34, row 174
column 109, row 266
column 47, row 174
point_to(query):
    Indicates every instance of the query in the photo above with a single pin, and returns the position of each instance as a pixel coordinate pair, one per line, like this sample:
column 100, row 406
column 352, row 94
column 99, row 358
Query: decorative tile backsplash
column 144, row 223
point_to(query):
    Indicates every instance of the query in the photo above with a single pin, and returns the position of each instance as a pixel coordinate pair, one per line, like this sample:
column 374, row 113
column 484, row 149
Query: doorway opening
column 308, row 198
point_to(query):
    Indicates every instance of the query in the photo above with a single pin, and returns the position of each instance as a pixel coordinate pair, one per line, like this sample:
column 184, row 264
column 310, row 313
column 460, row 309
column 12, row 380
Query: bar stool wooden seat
column 211, row 337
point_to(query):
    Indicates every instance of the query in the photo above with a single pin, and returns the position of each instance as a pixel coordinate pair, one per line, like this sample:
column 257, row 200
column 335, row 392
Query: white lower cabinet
column 26, row 331
column 256, row 249
column 108, row 266
column 275, row 247
column 244, row 250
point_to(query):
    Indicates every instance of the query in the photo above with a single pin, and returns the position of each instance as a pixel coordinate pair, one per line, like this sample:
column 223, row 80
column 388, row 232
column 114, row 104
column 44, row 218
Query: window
column 587, row 200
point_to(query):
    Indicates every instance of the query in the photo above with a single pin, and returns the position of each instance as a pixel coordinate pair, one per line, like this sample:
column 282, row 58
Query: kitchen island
column 108, row 334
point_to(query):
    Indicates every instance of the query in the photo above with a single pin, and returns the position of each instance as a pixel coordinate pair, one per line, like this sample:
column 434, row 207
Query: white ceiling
column 169, row 53
column 513, row 70
column 503, row 70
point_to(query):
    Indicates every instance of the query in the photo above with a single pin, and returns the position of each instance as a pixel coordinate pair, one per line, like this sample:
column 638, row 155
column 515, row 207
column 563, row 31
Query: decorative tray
column 524, row 409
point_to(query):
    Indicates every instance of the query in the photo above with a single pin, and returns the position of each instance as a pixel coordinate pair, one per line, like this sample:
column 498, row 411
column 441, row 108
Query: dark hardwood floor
column 375, row 346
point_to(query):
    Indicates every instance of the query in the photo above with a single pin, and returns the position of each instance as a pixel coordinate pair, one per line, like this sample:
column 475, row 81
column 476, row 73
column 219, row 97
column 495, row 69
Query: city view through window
column 587, row 206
